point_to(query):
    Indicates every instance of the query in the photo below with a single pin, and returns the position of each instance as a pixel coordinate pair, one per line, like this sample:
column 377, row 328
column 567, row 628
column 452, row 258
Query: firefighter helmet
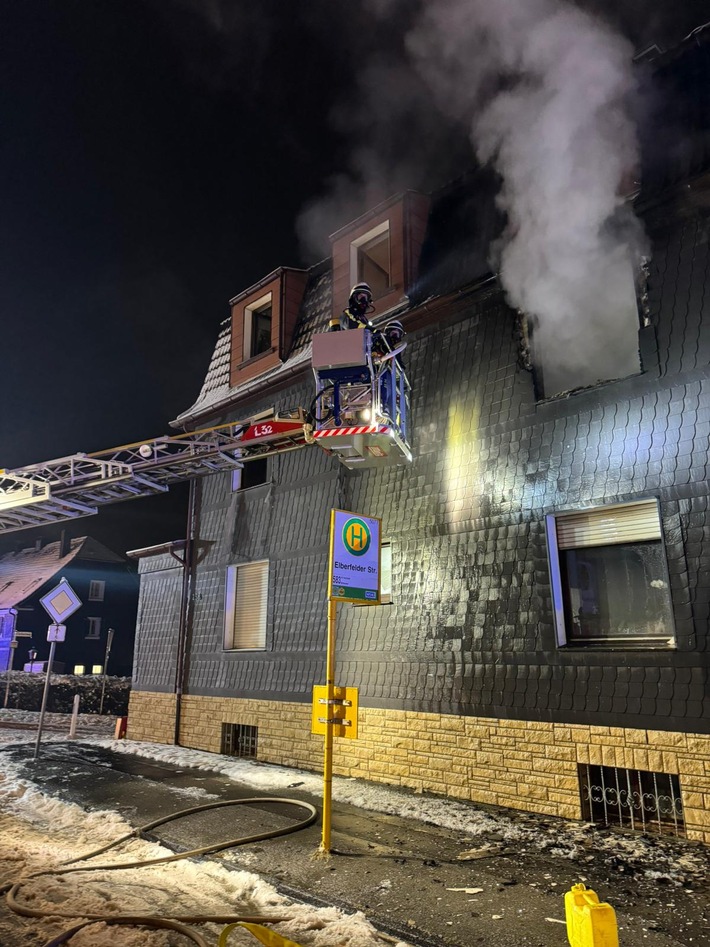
column 394, row 333
column 360, row 300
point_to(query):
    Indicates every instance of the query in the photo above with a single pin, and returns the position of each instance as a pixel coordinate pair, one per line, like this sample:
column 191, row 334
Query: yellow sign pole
column 328, row 744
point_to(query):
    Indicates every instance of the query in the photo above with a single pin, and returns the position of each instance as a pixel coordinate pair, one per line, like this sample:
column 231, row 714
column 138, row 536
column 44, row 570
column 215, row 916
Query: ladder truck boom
column 77, row 485
column 359, row 415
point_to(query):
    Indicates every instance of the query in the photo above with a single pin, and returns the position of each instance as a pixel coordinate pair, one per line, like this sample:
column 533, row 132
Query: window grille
column 632, row 799
column 239, row 739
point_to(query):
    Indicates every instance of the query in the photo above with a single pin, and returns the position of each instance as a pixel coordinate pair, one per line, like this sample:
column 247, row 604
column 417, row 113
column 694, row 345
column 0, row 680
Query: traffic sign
column 57, row 633
column 354, row 567
column 61, row 602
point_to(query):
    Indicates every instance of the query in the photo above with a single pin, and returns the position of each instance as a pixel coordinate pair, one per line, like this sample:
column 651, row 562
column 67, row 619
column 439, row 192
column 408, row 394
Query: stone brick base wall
column 513, row 763
column 151, row 717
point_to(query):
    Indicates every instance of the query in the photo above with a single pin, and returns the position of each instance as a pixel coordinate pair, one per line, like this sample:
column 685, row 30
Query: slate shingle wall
column 470, row 630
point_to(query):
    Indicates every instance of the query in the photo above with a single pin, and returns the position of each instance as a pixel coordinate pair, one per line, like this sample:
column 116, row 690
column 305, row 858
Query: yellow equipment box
column 344, row 709
column 589, row 922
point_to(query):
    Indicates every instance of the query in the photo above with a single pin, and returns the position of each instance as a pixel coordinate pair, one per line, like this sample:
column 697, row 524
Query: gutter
column 250, row 388
column 258, row 385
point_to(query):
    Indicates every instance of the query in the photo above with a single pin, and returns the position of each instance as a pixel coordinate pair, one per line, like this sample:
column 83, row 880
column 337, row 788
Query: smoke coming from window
column 545, row 92
column 547, row 89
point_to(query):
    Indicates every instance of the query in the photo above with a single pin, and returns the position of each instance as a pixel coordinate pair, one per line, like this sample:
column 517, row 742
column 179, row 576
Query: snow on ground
column 310, row 927
column 560, row 838
column 39, row 832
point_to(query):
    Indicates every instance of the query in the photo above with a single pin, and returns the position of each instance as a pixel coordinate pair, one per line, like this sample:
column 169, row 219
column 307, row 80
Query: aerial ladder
column 359, row 415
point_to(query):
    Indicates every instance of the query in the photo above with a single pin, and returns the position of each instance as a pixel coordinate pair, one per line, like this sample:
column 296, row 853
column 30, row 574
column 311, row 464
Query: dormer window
column 381, row 248
column 263, row 320
column 257, row 327
column 370, row 260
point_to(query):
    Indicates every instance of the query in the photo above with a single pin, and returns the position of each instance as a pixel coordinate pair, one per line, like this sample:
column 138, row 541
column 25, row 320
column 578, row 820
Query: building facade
column 545, row 641
column 107, row 586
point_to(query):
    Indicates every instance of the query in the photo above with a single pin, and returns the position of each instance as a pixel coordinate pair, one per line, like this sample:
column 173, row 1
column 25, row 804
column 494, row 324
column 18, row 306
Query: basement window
column 370, row 260
column 239, row 739
column 609, row 576
column 246, row 607
column 257, row 327
column 634, row 799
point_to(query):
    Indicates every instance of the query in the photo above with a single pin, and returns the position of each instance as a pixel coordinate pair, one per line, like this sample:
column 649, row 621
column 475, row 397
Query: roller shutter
column 250, row 587
column 623, row 523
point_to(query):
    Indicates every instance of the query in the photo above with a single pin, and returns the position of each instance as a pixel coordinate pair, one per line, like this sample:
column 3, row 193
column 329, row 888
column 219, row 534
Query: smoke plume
column 545, row 91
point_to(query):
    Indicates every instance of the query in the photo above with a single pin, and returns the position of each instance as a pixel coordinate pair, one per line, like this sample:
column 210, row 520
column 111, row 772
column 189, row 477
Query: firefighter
column 394, row 334
column 355, row 316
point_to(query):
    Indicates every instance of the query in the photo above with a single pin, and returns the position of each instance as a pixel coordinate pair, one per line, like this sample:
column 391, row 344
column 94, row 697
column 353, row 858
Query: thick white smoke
column 544, row 90
column 547, row 89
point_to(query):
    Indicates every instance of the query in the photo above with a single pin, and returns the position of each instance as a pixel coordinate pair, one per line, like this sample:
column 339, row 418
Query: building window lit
column 257, row 327
column 79, row 669
column 370, row 260
column 609, row 576
column 97, row 668
column 246, row 607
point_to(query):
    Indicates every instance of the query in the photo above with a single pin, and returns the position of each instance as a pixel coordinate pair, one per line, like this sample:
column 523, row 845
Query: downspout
column 184, row 608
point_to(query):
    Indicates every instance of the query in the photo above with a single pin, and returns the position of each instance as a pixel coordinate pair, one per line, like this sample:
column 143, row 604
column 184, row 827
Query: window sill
column 616, row 644
column 255, row 358
column 243, row 650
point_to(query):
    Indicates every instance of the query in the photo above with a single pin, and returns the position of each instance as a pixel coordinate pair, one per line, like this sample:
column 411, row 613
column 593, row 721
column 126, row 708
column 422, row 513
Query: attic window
column 370, row 260
column 257, row 327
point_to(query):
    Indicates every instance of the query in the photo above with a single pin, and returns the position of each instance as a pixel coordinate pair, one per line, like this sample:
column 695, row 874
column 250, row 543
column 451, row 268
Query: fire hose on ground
column 177, row 923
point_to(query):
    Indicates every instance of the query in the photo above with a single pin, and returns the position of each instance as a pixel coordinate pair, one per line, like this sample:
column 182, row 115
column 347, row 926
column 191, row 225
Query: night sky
column 155, row 159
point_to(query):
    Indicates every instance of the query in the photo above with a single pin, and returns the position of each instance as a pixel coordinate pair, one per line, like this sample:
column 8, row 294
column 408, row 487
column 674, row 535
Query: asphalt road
column 430, row 886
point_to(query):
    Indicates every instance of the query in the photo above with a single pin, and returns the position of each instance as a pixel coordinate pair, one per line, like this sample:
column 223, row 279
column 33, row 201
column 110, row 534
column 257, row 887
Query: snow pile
column 39, row 832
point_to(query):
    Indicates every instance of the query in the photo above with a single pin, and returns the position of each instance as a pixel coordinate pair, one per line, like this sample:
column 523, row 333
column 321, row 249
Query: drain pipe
column 184, row 608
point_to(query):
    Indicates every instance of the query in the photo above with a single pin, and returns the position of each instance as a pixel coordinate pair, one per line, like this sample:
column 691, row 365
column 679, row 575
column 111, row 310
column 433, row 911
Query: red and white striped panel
column 363, row 429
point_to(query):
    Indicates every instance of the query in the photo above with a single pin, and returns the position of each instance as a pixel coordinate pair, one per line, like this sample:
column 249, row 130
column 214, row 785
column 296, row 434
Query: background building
column 107, row 586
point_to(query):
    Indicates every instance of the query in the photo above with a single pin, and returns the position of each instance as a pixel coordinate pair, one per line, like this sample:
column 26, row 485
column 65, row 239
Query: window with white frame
column 246, row 607
column 370, row 260
column 94, row 630
column 96, row 590
column 609, row 576
column 257, row 327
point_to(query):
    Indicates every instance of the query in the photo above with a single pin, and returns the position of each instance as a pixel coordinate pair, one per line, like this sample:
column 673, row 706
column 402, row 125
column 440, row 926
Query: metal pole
column 74, row 716
column 184, row 609
column 50, row 663
column 328, row 746
column 106, row 657
column 13, row 648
